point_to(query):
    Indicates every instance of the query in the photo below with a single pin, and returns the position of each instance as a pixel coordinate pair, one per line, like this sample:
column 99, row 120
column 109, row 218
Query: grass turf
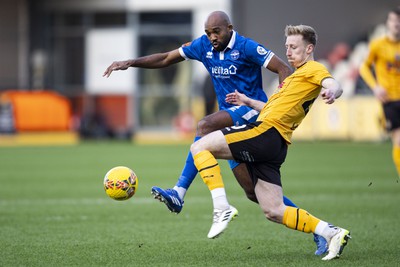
column 54, row 212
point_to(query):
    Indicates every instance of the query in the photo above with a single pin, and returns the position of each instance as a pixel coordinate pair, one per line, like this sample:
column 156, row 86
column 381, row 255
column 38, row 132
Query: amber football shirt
column 290, row 103
column 384, row 56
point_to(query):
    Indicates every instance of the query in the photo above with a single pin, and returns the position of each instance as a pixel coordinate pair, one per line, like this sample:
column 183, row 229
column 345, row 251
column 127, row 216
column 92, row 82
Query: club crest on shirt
column 261, row 50
column 235, row 54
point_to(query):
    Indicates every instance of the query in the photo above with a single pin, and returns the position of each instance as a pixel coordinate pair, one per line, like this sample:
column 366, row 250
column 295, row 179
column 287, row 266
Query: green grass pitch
column 54, row 211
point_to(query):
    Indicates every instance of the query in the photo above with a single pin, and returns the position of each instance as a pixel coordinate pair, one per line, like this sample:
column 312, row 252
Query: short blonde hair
column 308, row 33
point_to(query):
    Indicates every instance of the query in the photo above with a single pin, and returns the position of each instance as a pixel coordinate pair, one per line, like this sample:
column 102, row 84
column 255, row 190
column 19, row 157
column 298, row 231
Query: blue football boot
column 322, row 245
column 170, row 198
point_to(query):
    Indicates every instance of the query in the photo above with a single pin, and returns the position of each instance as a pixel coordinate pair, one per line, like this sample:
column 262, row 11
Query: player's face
column 393, row 24
column 297, row 51
column 219, row 36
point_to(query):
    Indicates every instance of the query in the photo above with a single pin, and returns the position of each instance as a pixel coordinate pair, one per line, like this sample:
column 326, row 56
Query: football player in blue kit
column 234, row 62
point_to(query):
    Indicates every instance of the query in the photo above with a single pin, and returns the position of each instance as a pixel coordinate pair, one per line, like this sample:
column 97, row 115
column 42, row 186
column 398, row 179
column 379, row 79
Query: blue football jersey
column 237, row 67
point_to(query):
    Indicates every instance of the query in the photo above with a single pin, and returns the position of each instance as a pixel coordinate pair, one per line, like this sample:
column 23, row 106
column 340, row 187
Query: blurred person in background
column 381, row 72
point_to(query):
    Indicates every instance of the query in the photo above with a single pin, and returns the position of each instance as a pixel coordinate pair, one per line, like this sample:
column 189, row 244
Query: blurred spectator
column 339, row 53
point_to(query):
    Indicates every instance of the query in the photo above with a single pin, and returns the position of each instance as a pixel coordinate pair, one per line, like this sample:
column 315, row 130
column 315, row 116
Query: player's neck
column 308, row 58
column 393, row 37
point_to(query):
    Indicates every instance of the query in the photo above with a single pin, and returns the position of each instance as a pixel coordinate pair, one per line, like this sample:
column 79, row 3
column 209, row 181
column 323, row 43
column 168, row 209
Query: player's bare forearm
column 154, row 61
column 240, row 99
column 278, row 66
column 151, row 62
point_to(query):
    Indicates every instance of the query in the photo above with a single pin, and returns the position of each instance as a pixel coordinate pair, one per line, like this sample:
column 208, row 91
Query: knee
column 204, row 127
column 198, row 146
column 194, row 148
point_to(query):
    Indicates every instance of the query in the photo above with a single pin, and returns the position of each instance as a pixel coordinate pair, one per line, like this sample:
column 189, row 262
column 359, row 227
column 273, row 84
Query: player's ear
column 309, row 48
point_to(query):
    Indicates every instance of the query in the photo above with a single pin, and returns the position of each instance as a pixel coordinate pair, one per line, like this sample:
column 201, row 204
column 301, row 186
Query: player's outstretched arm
column 331, row 90
column 154, row 61
column 240, row 99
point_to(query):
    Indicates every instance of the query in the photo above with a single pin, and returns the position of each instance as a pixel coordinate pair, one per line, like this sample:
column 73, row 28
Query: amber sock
column 210, row 172
column 300, row 220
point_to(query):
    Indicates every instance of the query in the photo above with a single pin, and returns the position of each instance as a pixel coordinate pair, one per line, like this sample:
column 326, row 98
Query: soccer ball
column 120, row 183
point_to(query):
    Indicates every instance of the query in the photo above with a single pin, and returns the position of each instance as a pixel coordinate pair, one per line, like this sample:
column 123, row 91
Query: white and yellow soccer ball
column 120, row 183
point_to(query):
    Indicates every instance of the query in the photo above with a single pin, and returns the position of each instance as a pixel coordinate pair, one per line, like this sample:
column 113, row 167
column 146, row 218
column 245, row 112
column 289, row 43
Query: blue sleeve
column 194, row 49
column 257, row 53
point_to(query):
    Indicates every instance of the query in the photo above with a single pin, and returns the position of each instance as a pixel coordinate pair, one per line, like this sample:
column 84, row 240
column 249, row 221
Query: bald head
column 219, row 18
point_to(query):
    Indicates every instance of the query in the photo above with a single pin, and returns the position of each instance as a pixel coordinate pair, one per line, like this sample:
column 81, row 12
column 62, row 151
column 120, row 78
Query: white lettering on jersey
column 231, row 70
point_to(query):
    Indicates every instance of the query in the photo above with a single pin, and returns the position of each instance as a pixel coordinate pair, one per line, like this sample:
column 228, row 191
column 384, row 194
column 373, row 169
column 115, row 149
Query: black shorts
column 263, row 150
column 392, row 115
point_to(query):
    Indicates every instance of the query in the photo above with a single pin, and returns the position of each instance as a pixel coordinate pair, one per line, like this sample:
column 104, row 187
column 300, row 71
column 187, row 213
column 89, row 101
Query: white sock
column 326, row 230
column 181, row 191
column 219, row 199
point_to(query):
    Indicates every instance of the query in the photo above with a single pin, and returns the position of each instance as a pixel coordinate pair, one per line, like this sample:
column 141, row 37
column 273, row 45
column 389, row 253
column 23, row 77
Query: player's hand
column 116, row 65
column 331, row 90
column 240, row 99
column 236, row 98
column 328, row 96
column 381, row 94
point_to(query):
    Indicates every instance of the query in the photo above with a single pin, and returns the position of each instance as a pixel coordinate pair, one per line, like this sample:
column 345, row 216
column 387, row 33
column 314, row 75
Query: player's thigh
column 213, row 122
column 215, row 143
